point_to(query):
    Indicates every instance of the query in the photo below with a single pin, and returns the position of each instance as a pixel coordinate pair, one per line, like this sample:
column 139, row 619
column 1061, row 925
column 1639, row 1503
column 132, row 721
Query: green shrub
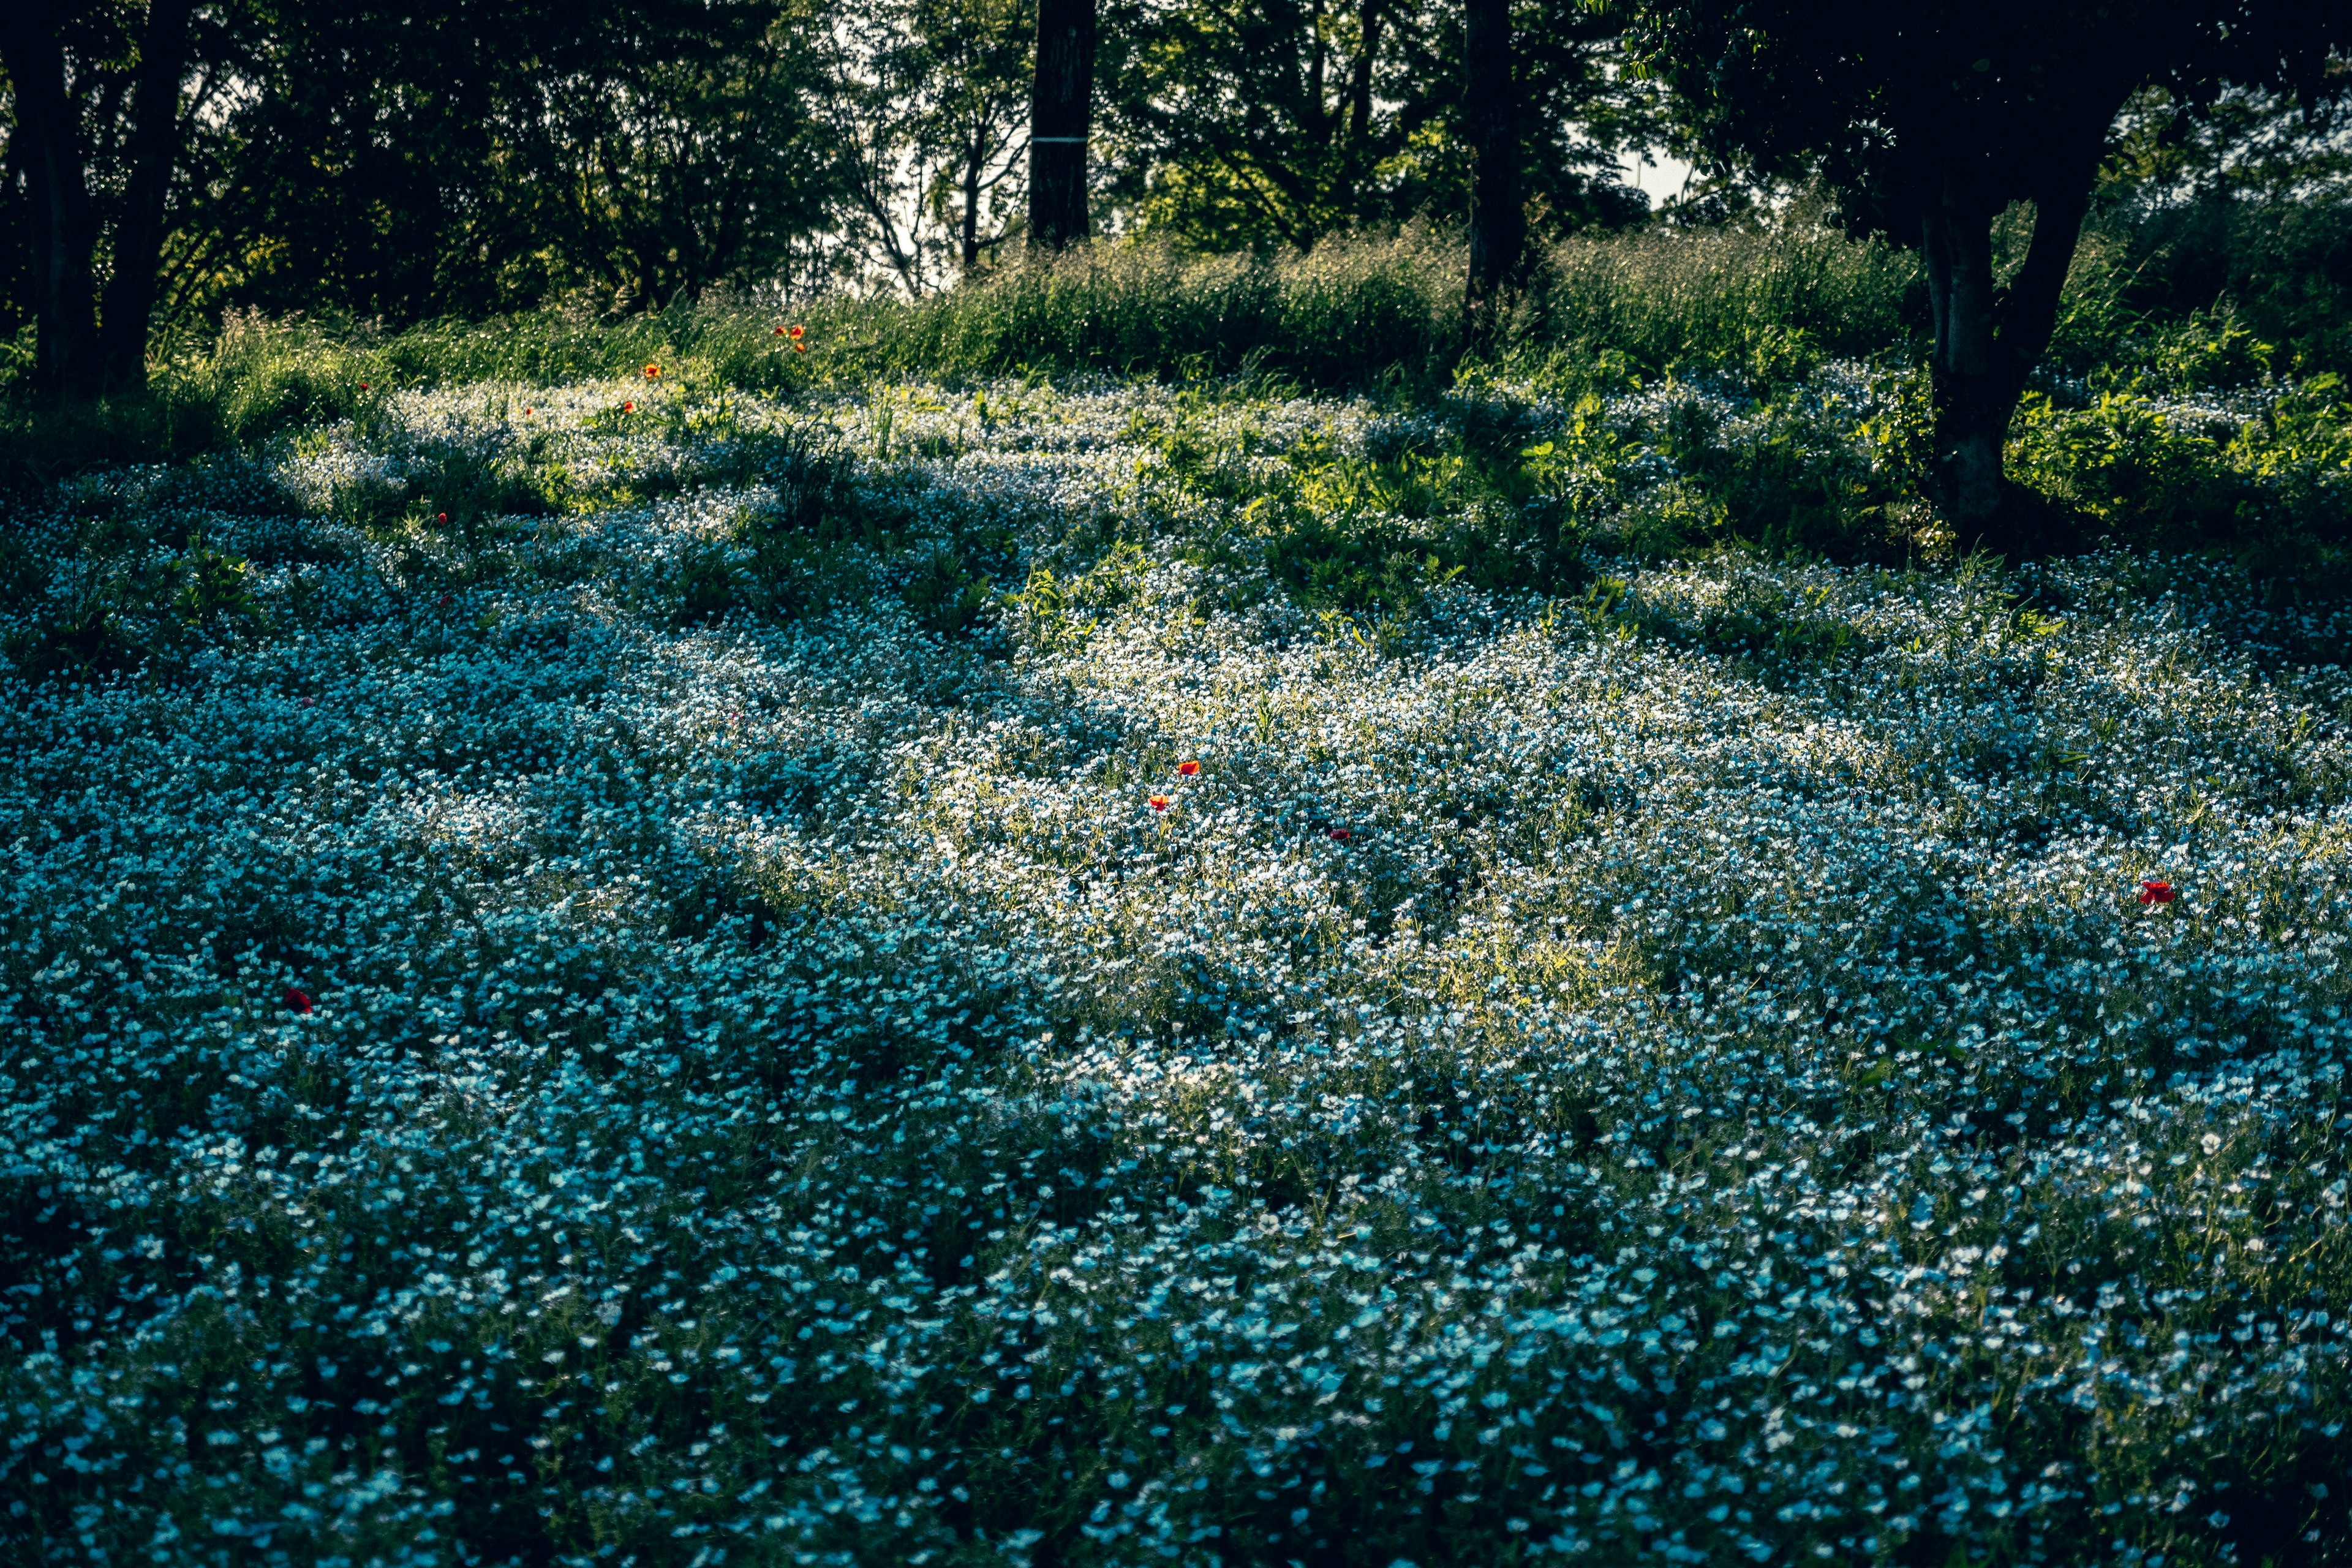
column 2159, row 474
column 139, row 605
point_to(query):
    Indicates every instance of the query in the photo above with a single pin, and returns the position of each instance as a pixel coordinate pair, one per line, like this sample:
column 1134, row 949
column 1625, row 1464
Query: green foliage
column 1057, row 613
column 1352, row 314
column 2160, row 473
column 42, row 443
column 1258, row 126
column 265, row 376
column 1910, row 111
column 385, row 161
column 1772, row 301
column 142, row 601
column 2226, row 290
column 2167, row 432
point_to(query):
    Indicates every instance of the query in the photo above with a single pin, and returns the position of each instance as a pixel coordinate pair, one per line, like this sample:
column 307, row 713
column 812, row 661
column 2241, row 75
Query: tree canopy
column 1930, row 121
column 457, row 157
column 167, row 161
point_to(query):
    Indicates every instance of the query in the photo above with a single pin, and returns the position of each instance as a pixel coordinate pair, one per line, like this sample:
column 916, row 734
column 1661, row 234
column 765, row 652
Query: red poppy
column 297, row 1001
column 628, row 408
column 2154, row 892
column 528, row 411
column 799, row 347
column 440, row 517
column 1188, row 769
column 653, row 373
column 796, row 334
column 447, row 600
column 1342, row 834
column 1159, row 803
column 363, row 386
column 780, row 331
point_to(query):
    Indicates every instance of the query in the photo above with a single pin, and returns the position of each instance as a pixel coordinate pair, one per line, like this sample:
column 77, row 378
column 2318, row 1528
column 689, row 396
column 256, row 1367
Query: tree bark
column 64, row 227
column 1359, row 88
column 972, row 159
column 1061, row 111
column 1970, row 394
column 1497, row 224
column 1988, row 341
column 130, row 304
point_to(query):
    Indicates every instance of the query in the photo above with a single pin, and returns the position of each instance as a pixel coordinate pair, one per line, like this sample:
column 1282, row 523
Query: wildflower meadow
column 675, row 966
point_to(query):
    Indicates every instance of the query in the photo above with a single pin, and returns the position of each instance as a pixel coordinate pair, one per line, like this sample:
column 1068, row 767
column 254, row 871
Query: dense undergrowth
column 598, row 967
column 2195, row 389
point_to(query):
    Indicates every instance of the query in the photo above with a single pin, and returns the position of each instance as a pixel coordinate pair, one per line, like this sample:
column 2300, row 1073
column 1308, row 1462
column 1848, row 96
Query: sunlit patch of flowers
column 1750, row 1063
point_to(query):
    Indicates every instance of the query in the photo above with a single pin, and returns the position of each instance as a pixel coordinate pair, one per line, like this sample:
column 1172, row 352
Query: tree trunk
column 1498, row 226
column 972, row 206
column 1988, row 341
column 1968, row 380
column 64, row 229
column 1360, row 98
column 139, row 234
column 1359, row 88
column 1061, row 110
column 1318, row 115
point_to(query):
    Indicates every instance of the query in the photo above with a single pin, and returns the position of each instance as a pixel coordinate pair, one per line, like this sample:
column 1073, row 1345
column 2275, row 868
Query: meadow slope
column 658, row 984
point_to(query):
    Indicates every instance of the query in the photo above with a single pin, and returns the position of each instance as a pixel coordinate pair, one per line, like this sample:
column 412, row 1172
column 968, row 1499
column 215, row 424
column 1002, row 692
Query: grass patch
column 1095, row 969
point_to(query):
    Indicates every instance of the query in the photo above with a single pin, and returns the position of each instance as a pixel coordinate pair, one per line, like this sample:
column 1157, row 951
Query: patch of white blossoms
column 1685, row 1075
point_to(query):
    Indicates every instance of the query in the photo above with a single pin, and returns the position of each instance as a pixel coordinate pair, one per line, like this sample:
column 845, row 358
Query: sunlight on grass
column 1641, row 1036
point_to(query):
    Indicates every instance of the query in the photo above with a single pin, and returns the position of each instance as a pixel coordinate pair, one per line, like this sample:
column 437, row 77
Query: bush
column 2170, row 472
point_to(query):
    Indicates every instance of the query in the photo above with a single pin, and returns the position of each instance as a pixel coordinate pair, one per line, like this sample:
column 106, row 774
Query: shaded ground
column 583, row 985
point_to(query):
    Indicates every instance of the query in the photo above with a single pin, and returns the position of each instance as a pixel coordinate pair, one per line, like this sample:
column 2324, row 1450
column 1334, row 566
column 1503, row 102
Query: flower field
column 662, row 985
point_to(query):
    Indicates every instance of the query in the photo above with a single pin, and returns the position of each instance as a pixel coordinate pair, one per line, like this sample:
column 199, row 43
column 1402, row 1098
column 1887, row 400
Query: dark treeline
column 459, row 157
column 169, row 162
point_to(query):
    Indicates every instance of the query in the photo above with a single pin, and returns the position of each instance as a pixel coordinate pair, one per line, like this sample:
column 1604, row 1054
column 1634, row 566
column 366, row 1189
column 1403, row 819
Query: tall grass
column 1769, row 302
column 1752, row 298
column 1352, row 314
column 1355, row 313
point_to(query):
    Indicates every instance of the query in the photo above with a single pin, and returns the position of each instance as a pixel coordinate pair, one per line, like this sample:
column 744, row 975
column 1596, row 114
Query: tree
column 1257, row 122
column 1930, row 119
column 688, row 160
column 406, row 158
column 1497, row 222
column 928, row 104
column 981, row 54
column 97, row 101
column 1061, row 119
column 1260, row 120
